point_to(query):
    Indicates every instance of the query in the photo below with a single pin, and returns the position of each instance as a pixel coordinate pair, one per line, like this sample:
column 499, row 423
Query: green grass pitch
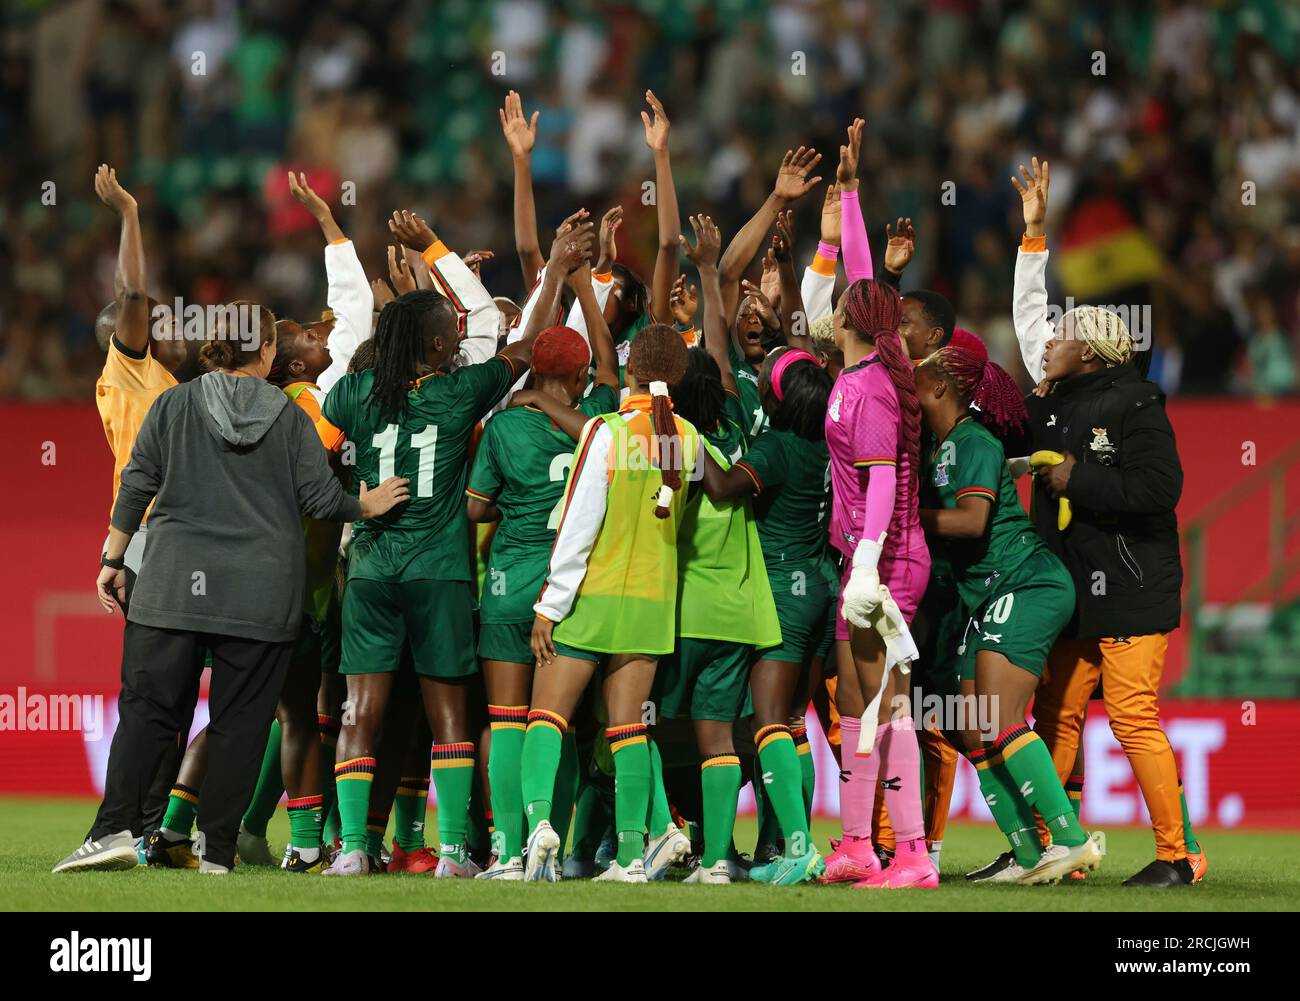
column 1249, row 870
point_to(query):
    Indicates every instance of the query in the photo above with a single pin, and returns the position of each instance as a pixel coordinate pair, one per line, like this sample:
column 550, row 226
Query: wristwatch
column 117, row 564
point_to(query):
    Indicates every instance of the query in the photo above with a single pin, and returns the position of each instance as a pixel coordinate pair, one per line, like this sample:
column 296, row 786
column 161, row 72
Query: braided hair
column 873, row 310
column 699, row 396
column 659, row 354
column 401, row 336
column 984, row 385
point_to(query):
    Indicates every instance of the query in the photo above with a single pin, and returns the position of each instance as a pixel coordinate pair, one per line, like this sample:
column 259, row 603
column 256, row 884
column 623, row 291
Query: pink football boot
column 852, row 860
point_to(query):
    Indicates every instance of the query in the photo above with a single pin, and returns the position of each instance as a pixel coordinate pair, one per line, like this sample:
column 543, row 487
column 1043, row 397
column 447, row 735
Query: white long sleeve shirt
column 349, row 296
column 457, row 282
column 817, row 290
column 580, row 522
column 1029, row 309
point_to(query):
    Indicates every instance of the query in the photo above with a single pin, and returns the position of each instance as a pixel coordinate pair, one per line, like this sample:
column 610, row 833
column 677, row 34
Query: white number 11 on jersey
column 426, row 443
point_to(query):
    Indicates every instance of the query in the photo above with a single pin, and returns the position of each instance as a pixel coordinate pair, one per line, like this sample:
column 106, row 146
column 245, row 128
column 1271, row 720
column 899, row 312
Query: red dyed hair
column 873, row 310
column 560, row 351
column 985, row 385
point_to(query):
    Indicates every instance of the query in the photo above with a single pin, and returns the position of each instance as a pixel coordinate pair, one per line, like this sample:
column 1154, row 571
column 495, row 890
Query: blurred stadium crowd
column 1173, row 129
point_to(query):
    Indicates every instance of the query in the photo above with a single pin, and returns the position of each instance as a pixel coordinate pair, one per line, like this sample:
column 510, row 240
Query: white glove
column 862, row 591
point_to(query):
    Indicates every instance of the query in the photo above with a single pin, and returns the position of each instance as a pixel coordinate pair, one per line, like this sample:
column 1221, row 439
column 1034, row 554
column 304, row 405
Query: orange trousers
column 1129, row 670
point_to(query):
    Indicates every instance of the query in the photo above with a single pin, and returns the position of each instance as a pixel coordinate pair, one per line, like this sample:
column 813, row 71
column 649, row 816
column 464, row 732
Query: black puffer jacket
column 1121, row 546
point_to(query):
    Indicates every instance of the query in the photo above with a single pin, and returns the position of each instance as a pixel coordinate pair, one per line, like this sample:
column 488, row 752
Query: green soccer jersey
column 623, row 346
column 793, row 477
column 755, row 422
column 521, row 466
column 426, row 538
column 970, row 463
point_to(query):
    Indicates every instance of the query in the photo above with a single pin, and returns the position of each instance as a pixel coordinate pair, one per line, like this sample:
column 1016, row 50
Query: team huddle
column 602, row 551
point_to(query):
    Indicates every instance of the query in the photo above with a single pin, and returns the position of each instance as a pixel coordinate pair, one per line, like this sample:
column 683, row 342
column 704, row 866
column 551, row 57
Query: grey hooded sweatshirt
column 231, row 466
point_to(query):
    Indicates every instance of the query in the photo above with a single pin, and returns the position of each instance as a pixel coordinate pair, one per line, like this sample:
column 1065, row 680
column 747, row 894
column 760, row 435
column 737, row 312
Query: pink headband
column 787, row 359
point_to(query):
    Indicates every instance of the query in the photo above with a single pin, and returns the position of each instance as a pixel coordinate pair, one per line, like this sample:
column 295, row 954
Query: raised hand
column 399, row 272
column 609, row 224
column 792, row 180
column 832, row 225
column 475, row 258
column 412, row 231
column 708, row 242
column 571, row 221
column 111, row 193
column 847, row 171
column 783, row 238
column 656, row 130
column 900, row 245
column 770, row 282
column 305, row 196
column 520, row 132
column 381, row 293
column 1033, row 194
column 762, row 303
column 683, row 302
column 572, row 247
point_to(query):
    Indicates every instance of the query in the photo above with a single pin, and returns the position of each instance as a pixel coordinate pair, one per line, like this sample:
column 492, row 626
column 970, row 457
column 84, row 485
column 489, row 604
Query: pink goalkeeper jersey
column 863, row 429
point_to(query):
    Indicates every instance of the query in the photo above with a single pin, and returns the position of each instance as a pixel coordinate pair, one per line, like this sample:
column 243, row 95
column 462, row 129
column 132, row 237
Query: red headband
column 787, row 359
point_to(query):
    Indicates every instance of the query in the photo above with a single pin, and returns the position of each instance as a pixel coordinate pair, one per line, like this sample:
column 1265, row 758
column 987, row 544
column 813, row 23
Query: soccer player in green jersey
column 610, row 597
column 1019, row 597
column 517, row 480
column 409, row 573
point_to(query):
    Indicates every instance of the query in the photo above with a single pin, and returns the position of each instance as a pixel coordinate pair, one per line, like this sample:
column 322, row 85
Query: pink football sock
column 857, row 781
column 900, row 772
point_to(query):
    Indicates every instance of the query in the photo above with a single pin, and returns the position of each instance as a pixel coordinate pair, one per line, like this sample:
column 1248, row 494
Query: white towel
column 900, row 652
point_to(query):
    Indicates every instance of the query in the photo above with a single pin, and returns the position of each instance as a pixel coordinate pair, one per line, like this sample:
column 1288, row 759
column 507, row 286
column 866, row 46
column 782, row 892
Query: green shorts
column 509, row 642
column 703, row 679
column 564, row 650
column 435, row 618
column 803, row 596
column 1022, row 617
column 938, row 629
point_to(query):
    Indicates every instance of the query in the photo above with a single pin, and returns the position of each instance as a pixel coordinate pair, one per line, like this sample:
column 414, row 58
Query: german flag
column 1102, row 250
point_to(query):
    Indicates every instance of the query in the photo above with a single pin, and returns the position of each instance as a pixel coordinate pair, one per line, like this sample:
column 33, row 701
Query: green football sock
column 566, row 788
column 541, row 762
column 181, row 807
column 1192, row 846
column 1010, row 811
column 269, row 788
column 410, row 807
column 505, row 766
column 720, row 785
column 782, row 781
column 329, row 734
column 807, row 770
column 305, row 822
column 632, row 779
column 769, row 828
column 659, row 815
column 453, row 775
column 479, row 836
column 1026, row 757
column 353, row 779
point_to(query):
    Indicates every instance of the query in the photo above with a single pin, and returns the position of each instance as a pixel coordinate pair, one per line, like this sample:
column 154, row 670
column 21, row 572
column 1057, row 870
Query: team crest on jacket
column 834, row 410
column 624, row 352
column 941, row 476
column 1101, row 445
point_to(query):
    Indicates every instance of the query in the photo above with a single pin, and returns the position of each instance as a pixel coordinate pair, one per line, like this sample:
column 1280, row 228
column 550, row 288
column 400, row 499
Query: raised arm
column 900, row 246
column 857, row 249
column 129, row 279
column 571, row 250
column 598, row 335
column 348, row 294
column 667, row 261
column 794, row 318
column 521, row 135
column 818, row 287
column 704, row 255
column 792, row 183
column 1029, row 292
